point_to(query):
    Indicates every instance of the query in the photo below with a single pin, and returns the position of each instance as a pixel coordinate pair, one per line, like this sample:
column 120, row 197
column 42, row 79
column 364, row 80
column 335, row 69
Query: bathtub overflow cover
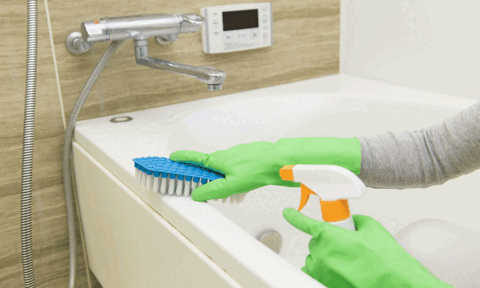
column 121, row 119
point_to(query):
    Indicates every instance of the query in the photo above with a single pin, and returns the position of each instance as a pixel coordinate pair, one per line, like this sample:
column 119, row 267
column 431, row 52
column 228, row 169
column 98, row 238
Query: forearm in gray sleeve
column 424, row 158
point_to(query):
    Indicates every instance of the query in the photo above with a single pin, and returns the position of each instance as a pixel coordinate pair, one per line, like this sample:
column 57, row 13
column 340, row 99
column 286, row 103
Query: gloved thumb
column 300, row 221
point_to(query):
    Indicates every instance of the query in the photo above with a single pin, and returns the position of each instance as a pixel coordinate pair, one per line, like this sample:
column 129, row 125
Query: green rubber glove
column 369, row 257
column 253, row 165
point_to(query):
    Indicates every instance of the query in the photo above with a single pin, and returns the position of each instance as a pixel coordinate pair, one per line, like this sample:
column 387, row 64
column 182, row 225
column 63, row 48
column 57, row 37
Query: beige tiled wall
column 306, row 45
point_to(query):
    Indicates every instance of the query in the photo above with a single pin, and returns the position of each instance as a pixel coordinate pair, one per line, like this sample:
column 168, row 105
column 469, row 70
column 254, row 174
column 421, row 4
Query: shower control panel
column 237, row 27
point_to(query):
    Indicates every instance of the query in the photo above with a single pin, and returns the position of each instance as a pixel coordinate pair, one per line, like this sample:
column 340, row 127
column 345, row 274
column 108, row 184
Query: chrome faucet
column 211, row 76
column 164, row 27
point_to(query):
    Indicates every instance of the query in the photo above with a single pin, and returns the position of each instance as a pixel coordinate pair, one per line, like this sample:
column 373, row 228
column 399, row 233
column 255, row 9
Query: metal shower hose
column 27, row 157
column 67, row 147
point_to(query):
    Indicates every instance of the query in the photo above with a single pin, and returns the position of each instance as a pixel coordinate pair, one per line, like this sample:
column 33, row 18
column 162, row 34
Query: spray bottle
column 333, row 184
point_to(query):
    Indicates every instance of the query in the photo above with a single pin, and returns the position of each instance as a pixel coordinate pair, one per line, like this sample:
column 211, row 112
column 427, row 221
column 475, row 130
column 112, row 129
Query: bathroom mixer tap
column 211, row 76
column 164, row 27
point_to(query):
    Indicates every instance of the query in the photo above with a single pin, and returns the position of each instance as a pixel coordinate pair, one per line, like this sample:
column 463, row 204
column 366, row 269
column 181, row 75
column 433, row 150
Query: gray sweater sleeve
column 424, row 158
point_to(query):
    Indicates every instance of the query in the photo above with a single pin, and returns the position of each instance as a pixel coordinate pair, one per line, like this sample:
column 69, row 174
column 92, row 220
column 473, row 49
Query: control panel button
column 241, row 36
column 254, row 34
column 265, row 37
column 215, row 22
column 228, row 37
column 264, row 8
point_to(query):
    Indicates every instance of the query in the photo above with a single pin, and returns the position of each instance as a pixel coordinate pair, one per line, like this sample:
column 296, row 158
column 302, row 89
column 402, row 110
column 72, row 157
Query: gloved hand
column 250, row 166
column 369, row 257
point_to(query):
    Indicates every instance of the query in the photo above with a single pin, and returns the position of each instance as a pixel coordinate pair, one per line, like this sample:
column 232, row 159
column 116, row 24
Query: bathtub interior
column 226, row 124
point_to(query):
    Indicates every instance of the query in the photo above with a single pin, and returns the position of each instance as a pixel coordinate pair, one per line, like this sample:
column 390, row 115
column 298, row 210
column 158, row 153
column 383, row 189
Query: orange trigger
column 305, row 195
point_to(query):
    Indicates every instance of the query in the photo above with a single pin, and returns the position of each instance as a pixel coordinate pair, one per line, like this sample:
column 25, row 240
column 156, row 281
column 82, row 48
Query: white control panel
column 237, row 27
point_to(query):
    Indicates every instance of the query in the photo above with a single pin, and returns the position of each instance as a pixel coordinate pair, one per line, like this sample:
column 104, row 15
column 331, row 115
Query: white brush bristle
column 186, row 188
column 171, row 185
column 176, row 186
column 179, row 189
column 150, row 182
column 156, row 184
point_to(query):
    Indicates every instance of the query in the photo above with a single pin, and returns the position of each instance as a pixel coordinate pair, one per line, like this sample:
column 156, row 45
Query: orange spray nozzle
column 286, row 172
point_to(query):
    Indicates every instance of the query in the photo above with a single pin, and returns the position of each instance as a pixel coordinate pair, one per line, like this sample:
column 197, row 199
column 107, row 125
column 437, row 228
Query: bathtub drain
column 272, row 239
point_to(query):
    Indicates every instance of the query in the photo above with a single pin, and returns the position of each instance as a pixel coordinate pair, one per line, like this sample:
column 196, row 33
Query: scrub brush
column 162, row 175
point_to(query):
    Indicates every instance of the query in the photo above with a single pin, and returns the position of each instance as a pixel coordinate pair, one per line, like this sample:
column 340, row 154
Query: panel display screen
column 236, row 20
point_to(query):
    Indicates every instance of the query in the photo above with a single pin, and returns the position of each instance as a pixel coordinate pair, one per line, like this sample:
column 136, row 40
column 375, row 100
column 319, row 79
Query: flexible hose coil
column 67, row 147
column 27, row 156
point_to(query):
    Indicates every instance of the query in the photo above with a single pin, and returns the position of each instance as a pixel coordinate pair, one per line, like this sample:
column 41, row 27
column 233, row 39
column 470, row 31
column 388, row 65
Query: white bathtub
column 140, row 239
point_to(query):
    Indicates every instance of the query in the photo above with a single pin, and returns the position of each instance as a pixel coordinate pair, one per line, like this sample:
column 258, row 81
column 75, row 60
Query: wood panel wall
column 306, row 45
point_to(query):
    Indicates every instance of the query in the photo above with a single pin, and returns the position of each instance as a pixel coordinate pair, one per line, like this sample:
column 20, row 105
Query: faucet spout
column 211, row 76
